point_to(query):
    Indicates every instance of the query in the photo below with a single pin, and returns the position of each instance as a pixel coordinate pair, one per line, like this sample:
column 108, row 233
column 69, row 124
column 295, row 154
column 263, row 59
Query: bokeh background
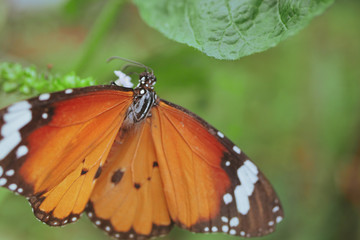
column 295, row 108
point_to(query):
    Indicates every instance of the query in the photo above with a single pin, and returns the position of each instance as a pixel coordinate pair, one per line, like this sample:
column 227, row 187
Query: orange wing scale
column 210, row 185
column 137, row 180
column 77, row 141
column 128, row 200
column 65, row 152
column 72, row 194
column 191, row 169
column 84, row 108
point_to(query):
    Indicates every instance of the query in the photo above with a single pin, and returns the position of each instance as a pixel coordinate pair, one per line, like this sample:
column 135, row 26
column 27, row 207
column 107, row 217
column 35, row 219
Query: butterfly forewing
column 210, row 184
column 52, row 145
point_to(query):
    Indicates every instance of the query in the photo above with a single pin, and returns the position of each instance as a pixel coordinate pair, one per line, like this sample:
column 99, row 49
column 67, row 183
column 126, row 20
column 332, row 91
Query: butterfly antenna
column 132, row 63
column 126, row 66
column 133, row 73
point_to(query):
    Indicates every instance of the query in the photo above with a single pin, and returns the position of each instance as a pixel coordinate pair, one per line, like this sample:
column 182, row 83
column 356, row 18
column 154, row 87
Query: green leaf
column 28, row 81
column 230, row 29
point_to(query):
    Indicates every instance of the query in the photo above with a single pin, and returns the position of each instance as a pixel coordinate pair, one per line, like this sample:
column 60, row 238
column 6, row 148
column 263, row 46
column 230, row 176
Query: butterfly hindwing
column 128, row 201
column 210, row 184
column 52, row 146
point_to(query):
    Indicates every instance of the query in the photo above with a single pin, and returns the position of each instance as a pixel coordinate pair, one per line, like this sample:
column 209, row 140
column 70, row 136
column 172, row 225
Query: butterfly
column 135, row 163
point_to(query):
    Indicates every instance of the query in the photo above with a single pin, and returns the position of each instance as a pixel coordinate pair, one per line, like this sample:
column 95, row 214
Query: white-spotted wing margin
column 17, row 116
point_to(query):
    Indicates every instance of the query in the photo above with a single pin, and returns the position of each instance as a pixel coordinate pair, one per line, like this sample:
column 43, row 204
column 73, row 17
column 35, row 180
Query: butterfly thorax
column 144, row 99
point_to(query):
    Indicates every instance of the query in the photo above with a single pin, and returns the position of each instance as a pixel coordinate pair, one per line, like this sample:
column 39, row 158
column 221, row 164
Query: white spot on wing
column 214, row 229
column 13, row 187
column 274, row 210
column 206, row 229
column 44, row 115
column 234, row 222
column 247, row 175
column 242, row 233
column 251, row 166
column 1, row 171
column 11, row 116
column 236, row 149
column 74, row 219
column 19, row 106
column 227, row 198
column 225, row 228
column 232, row 232
column 107, row 228
column 97, row 222
column 16, row 124
column 271, row 223
column 242, row 200
column 10, row 172
column 17, row 116
column 279, row 219
column 90, row 214
column 8, row 144
column 20, row 190
column 21, row 151
column 68, row 91
column 224, row 219
column 44, row 97
column 220, row 134
column 3, row 181
column 227, row 163
column 247, row 179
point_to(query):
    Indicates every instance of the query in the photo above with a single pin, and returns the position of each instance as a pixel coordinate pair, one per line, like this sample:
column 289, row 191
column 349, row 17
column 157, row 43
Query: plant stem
column 102, row 25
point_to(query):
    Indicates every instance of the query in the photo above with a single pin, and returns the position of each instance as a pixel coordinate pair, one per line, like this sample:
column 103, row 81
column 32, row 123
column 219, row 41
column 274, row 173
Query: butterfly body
column 144, row 99
column 135, row 163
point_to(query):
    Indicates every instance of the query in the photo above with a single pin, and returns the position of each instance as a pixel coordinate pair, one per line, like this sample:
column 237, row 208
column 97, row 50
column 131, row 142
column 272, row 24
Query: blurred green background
column 294, row 108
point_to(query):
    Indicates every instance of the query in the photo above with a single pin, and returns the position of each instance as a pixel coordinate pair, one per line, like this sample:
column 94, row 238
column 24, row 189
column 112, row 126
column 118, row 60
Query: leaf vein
column 188, row 21
column 236, row 27
column 279, row 15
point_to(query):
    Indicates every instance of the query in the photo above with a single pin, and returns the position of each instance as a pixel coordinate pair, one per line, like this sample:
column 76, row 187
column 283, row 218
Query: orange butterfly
column 135, row 163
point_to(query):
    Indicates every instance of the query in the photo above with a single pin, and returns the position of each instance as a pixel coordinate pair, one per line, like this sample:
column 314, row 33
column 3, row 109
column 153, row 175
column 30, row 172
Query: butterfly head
column 147, row 80
column 146, row 84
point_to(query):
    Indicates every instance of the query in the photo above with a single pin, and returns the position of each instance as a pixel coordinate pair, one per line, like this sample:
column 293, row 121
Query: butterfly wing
column 52, row 146
column 128, row 201
column 210, row 185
